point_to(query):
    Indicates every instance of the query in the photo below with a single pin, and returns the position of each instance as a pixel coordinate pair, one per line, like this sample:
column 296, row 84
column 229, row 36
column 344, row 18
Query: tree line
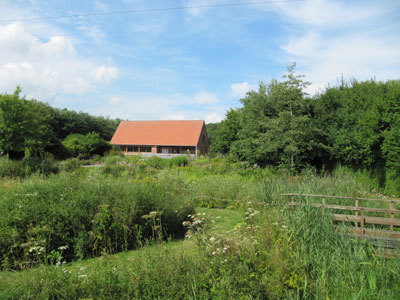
column 356, row 124
column 33, row 128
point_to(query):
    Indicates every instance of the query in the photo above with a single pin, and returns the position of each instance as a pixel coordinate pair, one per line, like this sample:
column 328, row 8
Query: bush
column 178, row 161
column 84, row 146
column 155, row 162
column 392, row 183
column 27, row 166
column 71, row 164
column 73, row 218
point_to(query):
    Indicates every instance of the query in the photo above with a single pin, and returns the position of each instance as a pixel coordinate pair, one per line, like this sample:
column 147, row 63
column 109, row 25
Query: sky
column 192, row 62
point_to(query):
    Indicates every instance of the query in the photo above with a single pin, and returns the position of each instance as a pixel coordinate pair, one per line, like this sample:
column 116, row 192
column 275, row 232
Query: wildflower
column 212, row 239
column 82, row 276
column 63, row 247
column 284, row 226
column 186, row 223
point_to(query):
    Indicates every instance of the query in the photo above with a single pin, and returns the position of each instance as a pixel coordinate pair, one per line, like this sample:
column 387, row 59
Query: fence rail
column 359, row 220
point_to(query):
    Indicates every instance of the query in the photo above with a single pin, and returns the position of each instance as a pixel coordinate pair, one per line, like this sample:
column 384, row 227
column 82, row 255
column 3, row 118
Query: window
column 164, row 150
column 145, row 149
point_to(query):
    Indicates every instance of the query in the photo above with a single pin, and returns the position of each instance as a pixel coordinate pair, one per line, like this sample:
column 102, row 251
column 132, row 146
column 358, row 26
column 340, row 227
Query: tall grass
column 275, row 253
column 67, row 217
column 27, row 166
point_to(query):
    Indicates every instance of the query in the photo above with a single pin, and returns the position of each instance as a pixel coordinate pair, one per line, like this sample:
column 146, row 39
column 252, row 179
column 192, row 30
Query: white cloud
column 194, row 7
column 326, row 54
column 213, row 118
column 115, row 100
column 205, row 97
column 105, row 74
column 329, row 13
column 94, row 32
column 324, row 59
column 45, row 68
column 143, row 106
column 100, row 6
column 240, row 89
column 58, row 46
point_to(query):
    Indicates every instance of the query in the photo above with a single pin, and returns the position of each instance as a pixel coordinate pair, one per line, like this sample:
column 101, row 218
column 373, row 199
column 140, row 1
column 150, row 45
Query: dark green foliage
column 179, row 161
column 354, row 124
column 276, row 125
column 30, row 126
column 84, row 146
column 226, row 132
column 27, row 166
column 68, row 121
column 24, row 125
column 77, row 217
column 211, row 131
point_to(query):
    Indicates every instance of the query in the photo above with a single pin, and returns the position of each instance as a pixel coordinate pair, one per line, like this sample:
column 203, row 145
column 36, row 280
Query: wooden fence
column 361, row 216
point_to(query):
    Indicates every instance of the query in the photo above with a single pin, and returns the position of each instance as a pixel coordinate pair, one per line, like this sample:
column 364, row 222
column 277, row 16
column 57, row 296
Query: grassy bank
column 252, row 251
column 68, row 216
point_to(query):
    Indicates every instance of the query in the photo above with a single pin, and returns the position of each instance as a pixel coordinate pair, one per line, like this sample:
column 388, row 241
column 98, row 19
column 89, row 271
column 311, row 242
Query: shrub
column 85, row 217
column 155, row 162
column 84, row 146
column 179, row 161
column 27, row 166
column 71, row 164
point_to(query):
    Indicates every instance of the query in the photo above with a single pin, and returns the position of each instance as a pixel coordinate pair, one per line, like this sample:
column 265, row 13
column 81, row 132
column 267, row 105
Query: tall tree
column 276, row 125
column 226, row 132
column 15, row 124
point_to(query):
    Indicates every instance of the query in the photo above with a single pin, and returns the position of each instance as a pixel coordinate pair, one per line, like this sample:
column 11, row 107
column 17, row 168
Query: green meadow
column 177, row 229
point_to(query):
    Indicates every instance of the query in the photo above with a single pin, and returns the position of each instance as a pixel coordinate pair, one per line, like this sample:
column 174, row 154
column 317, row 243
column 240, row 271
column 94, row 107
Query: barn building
column 163, row 138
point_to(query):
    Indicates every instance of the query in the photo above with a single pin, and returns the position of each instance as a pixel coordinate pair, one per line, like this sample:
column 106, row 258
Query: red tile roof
column 167, row 133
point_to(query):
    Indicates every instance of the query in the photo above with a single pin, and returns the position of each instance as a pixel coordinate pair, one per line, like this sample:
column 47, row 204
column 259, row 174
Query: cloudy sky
column 188, row 63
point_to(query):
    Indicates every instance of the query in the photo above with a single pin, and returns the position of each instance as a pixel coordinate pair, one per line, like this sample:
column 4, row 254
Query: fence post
column 323, row 206
column 391, row 214
column 362, row 224
column 356, row 213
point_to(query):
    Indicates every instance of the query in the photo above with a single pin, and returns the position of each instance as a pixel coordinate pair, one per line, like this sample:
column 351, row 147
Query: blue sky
column 192, row 63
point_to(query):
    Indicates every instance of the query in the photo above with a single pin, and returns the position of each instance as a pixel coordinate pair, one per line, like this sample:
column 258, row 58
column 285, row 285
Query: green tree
column 24, row 125
column 83, row 146
column 226, row 132
column 15, row 123
column 276, row 125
